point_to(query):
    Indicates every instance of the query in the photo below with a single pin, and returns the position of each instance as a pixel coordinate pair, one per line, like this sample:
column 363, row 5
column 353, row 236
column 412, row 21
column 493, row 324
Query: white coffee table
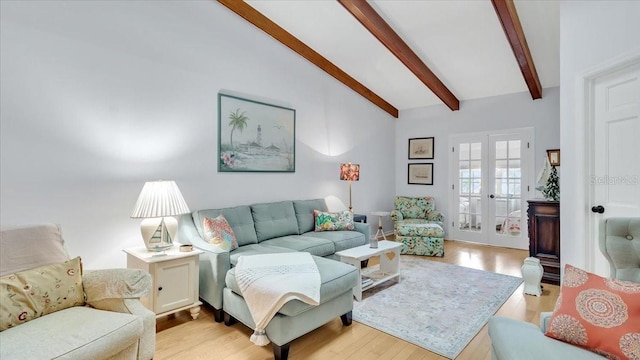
column 389, row 267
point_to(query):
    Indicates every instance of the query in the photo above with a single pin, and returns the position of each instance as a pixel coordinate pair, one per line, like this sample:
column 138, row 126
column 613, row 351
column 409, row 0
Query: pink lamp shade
column 350, row 172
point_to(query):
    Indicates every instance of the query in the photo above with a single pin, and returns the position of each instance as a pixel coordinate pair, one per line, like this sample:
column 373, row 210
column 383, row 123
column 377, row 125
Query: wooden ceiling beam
column 274, row 30
column 373, row 22
column 506, row 11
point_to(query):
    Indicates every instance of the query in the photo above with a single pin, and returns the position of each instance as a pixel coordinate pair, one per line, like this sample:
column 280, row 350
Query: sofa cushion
column 336, row 278
column 313, row 245
column 67, row 334
column 239, row 218
column 304, row 213
column 219, row 233
column 31, row 246
column 255, row 249
column 342, row 240
column 274, row 219
column 597, row 313
column 332, row 221
column 33, row 293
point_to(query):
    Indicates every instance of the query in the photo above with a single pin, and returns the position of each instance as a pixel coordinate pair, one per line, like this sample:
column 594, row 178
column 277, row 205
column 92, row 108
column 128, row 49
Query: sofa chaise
column 270, row 228
column 70, row 314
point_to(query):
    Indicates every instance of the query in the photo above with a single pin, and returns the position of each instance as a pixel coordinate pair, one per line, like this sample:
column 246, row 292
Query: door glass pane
column 470, row 183
column 508, row 179
column 476, row 151
column 501, row 149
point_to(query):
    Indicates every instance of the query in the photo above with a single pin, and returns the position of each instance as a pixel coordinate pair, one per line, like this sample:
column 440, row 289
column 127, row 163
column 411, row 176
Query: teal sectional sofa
column 276, row 227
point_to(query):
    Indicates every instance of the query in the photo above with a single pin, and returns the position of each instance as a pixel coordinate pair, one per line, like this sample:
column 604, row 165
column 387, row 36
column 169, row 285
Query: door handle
column 492, row 196
column 598, row 209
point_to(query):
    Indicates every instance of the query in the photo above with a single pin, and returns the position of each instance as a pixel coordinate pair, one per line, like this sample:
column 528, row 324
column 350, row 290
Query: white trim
column 586, row 84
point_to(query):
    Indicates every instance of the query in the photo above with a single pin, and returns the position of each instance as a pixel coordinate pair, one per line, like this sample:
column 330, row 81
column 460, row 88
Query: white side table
column 380, row 215
column 174, row 279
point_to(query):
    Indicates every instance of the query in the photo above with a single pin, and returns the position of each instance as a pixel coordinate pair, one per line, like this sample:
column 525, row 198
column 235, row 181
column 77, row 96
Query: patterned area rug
column 437, row 306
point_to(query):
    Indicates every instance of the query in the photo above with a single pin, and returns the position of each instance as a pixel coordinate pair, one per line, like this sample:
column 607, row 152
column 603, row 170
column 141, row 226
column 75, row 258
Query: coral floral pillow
column 219, row 233
column 333, row 221
column 599, row 314
column 29, row 294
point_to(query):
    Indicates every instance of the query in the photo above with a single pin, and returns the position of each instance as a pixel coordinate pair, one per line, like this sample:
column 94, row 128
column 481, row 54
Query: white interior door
column 615, row 127
column 490, row 186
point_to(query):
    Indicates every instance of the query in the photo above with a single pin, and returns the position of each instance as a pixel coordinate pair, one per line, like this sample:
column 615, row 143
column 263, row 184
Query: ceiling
column 462, row 43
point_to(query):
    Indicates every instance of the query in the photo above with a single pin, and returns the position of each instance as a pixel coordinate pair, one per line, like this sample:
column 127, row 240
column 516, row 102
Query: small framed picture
column 554, row 157
column 421, row 148
column 420, row 174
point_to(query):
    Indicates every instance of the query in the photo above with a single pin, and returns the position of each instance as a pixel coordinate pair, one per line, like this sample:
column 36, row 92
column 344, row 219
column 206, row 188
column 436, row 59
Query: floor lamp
column 350, row 172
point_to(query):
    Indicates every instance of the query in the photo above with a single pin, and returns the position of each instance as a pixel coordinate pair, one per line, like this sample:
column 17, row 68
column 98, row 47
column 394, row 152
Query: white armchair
column 112, row 324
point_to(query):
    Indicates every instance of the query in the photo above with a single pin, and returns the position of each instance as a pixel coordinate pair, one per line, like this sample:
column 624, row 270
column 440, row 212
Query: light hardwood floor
column 179, row 337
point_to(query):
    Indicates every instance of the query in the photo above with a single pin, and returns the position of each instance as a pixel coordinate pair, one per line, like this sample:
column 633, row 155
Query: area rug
column 437, row 306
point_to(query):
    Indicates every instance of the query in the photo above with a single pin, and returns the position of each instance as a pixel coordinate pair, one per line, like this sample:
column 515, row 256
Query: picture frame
column 420, row 173
column 554, row 157
column 255, row 136
column 421, row 148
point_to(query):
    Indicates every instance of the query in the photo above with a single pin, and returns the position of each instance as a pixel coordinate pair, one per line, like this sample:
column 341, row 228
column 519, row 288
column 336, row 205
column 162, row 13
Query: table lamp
column 350, row 172
column 158, row 202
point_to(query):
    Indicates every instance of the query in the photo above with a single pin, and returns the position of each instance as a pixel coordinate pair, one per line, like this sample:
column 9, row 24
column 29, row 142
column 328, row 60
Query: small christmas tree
column 552, row 189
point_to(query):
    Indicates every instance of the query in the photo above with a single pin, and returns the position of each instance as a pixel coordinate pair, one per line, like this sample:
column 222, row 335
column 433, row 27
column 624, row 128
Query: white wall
column 591, row 33
column 488, row 114
column 98, row 97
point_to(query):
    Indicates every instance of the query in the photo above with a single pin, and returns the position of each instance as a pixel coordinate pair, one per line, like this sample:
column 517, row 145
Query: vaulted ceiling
column 405, row 54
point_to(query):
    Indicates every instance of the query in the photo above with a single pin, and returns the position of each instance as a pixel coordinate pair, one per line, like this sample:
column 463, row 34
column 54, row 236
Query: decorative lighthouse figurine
column 532, row 274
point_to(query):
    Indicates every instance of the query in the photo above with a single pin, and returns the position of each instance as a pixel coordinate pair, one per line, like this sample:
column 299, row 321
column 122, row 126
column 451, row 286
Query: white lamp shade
column 160, row 199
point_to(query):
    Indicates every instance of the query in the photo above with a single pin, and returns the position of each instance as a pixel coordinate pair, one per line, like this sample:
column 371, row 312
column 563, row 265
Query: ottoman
column 420, row 238
column 297, row 318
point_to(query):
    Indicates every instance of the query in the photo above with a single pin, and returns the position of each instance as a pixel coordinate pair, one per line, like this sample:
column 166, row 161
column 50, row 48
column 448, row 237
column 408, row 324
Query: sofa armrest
column 115, row 284
column 214, row 262
column 435, row 216
column 396, row 215
column 364, row 229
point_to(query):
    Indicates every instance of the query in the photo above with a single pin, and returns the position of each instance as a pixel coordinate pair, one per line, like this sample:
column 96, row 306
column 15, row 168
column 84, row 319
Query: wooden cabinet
column 544, row 237
column 174, row 279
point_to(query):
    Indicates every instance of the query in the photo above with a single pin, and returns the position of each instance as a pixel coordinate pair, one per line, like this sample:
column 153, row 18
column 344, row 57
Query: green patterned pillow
column 333, row 221
column 29, row 294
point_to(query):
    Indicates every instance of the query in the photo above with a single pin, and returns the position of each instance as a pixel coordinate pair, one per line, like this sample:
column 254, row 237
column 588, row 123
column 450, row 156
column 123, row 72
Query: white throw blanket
column 269, row 281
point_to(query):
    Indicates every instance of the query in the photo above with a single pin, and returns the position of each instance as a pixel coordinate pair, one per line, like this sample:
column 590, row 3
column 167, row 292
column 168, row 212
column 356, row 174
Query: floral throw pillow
column 29, row 294
column 219, row 233
column 333, row 221
column 599, row 314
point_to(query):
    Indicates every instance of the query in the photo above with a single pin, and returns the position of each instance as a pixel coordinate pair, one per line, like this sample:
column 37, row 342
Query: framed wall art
column 420, row 174
column 254, row 136
column 554, row 157
column 421, row 148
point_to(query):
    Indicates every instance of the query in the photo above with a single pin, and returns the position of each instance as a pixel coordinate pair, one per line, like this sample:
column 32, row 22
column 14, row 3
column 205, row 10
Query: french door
column 490, row 186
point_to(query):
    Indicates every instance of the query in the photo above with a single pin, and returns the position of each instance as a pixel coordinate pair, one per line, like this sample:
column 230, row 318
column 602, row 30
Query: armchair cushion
column 414, row 207
column 23, row 247
column 33, row 293
column 116, row 284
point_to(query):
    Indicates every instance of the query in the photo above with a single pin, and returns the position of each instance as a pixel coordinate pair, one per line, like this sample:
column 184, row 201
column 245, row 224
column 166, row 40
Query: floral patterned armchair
column 418, row 226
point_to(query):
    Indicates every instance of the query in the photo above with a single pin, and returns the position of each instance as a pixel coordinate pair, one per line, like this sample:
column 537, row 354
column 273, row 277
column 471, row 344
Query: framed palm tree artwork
column 254, row 136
